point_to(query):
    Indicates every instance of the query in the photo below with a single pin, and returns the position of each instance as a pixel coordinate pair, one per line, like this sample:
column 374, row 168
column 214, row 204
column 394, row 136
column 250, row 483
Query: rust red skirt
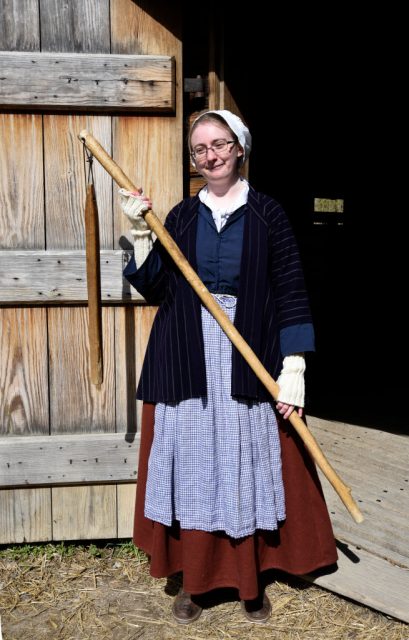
column 303, row 543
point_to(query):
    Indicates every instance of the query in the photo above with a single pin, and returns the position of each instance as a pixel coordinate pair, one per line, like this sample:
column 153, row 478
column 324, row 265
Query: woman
column 229, row 490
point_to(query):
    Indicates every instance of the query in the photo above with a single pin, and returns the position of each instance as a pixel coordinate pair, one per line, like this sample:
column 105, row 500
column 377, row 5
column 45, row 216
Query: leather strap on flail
column 93, row 275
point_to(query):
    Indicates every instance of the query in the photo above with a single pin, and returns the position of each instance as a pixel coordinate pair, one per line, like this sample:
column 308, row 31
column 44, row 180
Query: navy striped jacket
column 271, row 298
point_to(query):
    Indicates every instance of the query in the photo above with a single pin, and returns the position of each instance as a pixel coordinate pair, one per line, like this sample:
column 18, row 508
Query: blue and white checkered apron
column 215, row 462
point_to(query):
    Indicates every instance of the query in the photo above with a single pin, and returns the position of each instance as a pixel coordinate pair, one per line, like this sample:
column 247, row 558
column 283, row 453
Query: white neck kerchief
column 221, row 214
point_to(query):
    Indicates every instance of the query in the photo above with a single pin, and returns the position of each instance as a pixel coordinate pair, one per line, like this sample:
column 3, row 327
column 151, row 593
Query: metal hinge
column 197, row 86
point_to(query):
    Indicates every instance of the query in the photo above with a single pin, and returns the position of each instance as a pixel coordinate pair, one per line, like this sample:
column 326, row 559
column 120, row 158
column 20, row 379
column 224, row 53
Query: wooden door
column 68, row 449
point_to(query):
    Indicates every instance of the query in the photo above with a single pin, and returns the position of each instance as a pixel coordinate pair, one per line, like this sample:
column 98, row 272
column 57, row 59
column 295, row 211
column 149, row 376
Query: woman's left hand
column 287, row 409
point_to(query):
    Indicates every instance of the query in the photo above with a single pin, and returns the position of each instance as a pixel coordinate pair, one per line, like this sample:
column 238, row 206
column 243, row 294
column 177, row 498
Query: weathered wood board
column 77, row 81
column 19, row 25
column 42, row 196
column 375, row 465
column 126, row 494
column 66, row 173
column 370, row 580
column 22, row 223
column 81, row 513
column 39, row 277
column 78, row 26
column 24, row 406
column 70, row 459
column 374, row 555
column 26, row 515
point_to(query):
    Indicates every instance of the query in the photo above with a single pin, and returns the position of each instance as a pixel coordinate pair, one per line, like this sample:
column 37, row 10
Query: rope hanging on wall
column 93, row 274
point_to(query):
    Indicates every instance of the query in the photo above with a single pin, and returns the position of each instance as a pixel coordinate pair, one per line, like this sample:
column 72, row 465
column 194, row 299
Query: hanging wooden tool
column 230, row 330
column 93, row 280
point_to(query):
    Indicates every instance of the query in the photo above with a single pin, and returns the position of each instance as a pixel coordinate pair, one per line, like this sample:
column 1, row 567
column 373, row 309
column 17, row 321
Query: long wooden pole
column 230, row 330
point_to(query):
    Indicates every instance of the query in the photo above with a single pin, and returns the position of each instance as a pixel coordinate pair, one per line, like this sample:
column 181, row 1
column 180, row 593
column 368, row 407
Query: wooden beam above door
column 78, row 82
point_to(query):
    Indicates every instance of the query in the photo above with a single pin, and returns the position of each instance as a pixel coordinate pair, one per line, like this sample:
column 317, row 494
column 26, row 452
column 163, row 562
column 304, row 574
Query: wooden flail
column 230, row 330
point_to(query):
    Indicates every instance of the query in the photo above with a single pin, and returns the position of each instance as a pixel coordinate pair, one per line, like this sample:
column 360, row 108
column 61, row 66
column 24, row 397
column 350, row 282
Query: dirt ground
column 84, row 593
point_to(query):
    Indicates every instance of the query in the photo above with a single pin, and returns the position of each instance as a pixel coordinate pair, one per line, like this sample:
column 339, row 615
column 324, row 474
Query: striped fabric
column 215, row 462
column 271, row 298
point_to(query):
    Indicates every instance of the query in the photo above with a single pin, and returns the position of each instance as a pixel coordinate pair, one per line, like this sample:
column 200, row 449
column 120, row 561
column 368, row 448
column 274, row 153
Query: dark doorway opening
column 310, row 88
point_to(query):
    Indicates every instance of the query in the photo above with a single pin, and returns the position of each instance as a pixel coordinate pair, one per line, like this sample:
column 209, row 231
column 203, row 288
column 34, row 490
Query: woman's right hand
column 133, row 205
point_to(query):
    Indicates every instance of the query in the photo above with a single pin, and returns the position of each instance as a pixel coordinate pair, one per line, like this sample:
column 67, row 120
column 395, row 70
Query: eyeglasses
column 218, row 146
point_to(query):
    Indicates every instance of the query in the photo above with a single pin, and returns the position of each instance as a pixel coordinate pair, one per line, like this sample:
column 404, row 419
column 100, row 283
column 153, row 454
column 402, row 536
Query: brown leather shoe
column 184, row 610
column 258, row 610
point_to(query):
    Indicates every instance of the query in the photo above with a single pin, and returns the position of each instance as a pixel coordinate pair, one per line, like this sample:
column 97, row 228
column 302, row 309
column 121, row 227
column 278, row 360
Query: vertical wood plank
column 146, row 27
column 25, row 515
column 126, row 509
column 65, row 179
column 228, row 102
column 19, row 25
column 150, row 150
column 215, row 60
column 77, row 26
column 132, row 328
column 23, row 372
column 81, row 513
column 21, row 182
column 76, row 405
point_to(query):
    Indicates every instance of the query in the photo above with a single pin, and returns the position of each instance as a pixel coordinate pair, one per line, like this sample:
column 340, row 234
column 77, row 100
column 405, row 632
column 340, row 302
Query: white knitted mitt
column 133, row 206
column 291, row 381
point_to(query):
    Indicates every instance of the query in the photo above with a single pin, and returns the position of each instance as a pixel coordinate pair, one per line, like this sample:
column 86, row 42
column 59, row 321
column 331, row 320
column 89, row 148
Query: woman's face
column 215, row 165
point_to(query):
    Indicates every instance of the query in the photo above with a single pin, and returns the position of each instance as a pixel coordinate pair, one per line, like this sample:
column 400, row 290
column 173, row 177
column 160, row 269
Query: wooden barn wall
column 44, row 378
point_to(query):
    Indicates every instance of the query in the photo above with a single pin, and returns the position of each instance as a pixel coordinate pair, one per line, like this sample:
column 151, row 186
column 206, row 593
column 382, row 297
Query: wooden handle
column 230, row 330
column 94, row 287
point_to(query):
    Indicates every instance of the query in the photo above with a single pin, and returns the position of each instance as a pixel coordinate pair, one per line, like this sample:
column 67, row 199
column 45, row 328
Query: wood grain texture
column 227, row 101
column 76, row 406
column 126, row 494
column 23, row 372
column 86, row 82
column 65, row 460
column 65, row 179
column 38, row 277
column 140, row 148
column 373, row 581
column 149, row 27
column 81, row 513
column 373, row 564
column 25, row 515
column 21, row 182
column 150, row 150
column 375, row 464
column 132, row 329
column 80, row 26
column 19, row 25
